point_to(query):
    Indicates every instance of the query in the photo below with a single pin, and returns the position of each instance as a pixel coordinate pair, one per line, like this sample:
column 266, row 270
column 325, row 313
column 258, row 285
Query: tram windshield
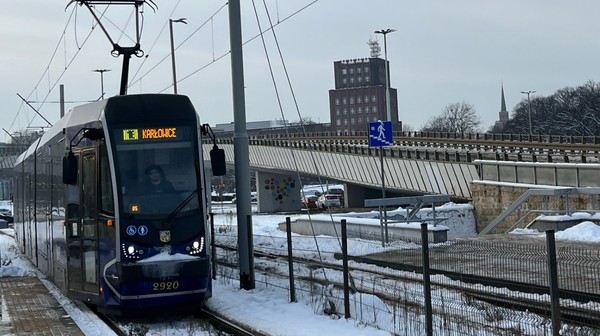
column 156, row 173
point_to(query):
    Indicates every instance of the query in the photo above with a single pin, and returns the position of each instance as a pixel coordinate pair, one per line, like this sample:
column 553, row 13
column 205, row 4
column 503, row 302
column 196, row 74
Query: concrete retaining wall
column 365, row 229
column 490, row 199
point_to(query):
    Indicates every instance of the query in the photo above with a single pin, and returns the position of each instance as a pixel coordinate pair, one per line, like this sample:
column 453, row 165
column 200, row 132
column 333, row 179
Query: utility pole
column 388, row 111
column 241, row 150
column 529, row 108
column 101, row 71
column 387, row 74
column 181, row 20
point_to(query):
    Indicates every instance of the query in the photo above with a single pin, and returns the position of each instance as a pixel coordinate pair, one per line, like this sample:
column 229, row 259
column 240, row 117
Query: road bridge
column 424, row 163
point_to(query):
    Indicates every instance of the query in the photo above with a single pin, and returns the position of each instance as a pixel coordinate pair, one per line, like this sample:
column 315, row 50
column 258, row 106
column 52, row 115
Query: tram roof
column 79, row 115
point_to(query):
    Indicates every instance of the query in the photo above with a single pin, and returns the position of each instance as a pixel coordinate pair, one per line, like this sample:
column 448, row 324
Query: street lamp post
column 529, row 108
column 101, row 71
column 182, row 20
column 387, row 75
column 388, row 114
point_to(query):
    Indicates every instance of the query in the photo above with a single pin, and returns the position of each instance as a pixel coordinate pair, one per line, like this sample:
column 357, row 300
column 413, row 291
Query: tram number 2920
column 165, row 285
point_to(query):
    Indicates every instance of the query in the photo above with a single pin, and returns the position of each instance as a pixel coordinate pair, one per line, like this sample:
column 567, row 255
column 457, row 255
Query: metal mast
column 241, row 150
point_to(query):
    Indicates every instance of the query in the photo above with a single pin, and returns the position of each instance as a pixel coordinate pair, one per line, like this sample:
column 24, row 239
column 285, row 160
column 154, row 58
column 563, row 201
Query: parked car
column 309, row 202
column 6, row 214
column 339, row 192
column 328, row 200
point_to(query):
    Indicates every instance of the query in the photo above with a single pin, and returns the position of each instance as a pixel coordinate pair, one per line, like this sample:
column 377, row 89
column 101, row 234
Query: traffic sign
column 380, row 133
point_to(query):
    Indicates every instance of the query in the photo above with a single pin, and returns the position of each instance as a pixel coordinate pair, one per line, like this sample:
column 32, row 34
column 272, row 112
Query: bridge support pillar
column 354, row 196
column 277, row 192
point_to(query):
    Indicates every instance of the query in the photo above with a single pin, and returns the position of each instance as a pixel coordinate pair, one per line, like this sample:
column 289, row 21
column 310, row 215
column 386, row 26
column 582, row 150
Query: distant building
column 359, row 96
column 254, row 128
column 8, row 155
column 503, row 114
column 251, row 125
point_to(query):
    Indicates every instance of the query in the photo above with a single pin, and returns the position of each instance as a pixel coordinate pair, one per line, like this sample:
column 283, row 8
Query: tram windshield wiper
column 176, row 211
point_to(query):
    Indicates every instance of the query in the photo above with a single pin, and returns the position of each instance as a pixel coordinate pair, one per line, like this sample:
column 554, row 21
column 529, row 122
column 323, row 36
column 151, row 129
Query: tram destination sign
column 135, row 134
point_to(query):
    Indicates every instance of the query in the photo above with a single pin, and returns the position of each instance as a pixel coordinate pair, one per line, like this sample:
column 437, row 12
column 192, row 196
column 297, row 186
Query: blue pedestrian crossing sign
column 380, row 133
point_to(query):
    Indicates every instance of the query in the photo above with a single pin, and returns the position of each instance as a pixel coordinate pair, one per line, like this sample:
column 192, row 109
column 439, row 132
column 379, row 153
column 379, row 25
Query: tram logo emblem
column 130, row 134
column 165, row 236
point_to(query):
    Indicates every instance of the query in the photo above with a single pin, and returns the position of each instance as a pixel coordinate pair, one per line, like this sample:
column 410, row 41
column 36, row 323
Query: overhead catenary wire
column 164, row 26
column 46, row 73
column 282, row 112
column 202, row 25
column 68, row 62
column 292, row 92
column 52, row 84
column 247, row 41
column 220, row 57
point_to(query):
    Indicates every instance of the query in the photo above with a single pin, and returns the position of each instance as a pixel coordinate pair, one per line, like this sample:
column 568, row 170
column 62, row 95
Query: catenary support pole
column 241, row 149
column 62, row 100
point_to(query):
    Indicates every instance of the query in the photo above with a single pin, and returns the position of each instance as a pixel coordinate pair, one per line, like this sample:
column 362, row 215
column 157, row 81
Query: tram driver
column 156, row 182
column 156, row 193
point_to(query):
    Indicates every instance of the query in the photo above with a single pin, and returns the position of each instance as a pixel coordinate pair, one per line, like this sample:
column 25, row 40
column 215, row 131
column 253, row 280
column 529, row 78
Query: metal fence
column 512, row 285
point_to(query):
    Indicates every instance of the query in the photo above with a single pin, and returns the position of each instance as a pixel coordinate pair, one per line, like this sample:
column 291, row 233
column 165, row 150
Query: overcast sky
column 442, row 52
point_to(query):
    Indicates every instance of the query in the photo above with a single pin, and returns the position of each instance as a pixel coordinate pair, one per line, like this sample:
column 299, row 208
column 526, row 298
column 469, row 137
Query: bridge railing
column 538, row 173
column 422, row 149
column 280, row 133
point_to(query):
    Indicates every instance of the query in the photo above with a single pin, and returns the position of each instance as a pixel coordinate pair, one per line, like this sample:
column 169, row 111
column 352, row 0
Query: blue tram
column 87, row 213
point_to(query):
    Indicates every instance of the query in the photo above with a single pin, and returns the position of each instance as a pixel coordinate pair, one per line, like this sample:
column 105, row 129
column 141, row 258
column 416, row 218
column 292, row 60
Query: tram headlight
column 197, row 246
column 131, row 252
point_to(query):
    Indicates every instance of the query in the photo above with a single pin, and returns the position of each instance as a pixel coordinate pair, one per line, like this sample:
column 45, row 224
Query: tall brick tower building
column 359, row 95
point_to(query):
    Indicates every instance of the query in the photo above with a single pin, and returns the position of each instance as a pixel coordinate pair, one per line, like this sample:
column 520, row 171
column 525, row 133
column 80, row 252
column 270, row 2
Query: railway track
column 228, row 325
column 202, row 320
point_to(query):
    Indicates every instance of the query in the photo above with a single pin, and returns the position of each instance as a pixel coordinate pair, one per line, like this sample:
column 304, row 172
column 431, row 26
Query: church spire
column 503, row 114
column 503, row 103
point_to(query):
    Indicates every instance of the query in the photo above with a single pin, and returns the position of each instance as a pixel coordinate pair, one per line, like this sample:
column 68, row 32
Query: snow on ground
column 586, row 231
column 265, row 309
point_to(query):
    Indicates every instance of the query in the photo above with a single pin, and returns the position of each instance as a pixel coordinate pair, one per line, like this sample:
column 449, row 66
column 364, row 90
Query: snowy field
column 265, row 309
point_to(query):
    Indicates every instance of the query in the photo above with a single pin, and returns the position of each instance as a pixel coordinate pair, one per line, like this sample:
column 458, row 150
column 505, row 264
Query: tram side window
column 106, row 193
column 88, row 186
column 72, row 201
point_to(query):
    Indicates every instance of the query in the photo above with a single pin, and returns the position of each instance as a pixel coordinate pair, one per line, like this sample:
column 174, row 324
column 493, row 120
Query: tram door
column 83, row 230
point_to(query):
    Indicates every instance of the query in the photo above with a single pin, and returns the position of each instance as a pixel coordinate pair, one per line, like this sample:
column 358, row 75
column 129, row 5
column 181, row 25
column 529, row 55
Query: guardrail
column 577, row 175
column 449, row 150
column 280, row 133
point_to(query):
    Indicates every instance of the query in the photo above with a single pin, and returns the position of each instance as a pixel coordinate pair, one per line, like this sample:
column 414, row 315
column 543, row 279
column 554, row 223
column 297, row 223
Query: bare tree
column 569, row 111
column 455, row 118
column 304, row 121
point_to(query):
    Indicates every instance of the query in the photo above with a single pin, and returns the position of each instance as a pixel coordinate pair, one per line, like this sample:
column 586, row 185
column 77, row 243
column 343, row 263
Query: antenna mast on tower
column 375, row 48
column 117, row 49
